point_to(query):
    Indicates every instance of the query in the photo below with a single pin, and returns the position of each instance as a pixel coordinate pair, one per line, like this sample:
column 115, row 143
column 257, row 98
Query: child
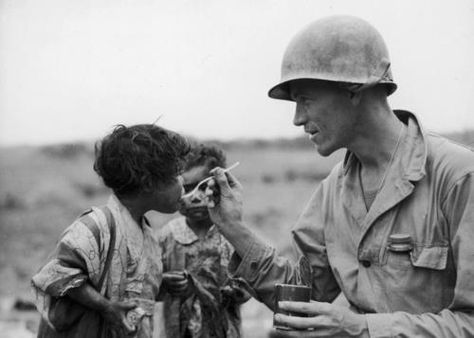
column 105, row 263
column 200, row 299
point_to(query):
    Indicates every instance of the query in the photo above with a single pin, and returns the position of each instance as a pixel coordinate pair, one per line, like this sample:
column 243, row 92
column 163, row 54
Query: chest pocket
column 433, row 257
column 417, row 281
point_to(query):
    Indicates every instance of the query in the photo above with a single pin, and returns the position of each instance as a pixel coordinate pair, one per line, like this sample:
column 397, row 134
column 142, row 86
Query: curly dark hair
column 209, row 155
column 139, row 158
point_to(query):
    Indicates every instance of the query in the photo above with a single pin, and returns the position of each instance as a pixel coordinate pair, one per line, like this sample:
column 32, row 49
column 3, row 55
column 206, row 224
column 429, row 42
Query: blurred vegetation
column 43, row 189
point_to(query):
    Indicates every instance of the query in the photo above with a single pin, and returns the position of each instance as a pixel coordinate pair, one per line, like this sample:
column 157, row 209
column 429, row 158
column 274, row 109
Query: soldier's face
column 324, row 110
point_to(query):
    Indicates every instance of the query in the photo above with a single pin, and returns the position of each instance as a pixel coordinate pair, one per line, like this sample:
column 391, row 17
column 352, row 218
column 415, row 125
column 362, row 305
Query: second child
column 200, row 298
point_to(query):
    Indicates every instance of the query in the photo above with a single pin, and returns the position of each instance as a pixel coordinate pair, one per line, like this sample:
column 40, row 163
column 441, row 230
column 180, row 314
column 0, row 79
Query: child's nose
column 197, row 198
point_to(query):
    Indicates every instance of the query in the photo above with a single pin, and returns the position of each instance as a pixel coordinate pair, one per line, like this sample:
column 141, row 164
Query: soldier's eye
column 302, row 99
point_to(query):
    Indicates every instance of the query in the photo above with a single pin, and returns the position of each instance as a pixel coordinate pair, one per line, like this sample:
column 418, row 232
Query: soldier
column 391, row 227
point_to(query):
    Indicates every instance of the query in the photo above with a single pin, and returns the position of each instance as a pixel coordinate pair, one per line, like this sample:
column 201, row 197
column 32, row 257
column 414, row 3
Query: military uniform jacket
column 428, row 194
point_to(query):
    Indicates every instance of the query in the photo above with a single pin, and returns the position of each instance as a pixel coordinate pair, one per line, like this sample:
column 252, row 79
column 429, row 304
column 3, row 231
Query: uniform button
column 366, row 264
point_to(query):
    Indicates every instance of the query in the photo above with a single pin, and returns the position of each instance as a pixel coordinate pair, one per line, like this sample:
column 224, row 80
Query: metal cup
column 290, row 292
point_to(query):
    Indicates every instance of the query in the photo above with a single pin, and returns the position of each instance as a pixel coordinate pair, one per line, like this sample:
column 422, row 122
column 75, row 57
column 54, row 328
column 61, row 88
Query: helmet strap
column 381, row 74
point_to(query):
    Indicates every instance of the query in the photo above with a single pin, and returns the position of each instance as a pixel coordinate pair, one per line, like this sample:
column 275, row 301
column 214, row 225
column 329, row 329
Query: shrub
column 291, row 175
column 67, row 150
column 11, row 202
column 90, row 190
column 268, row 179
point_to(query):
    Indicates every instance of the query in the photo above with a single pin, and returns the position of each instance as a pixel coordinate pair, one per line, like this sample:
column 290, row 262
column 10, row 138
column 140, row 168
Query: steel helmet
column 343, row 49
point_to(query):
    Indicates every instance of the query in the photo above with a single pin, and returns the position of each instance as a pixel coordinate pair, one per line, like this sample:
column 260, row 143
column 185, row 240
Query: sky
column 71, row 70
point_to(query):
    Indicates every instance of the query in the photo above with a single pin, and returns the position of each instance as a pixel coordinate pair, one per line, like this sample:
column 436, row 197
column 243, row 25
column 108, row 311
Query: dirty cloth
column 207, row 312
column 135, row 270
column 428, row 194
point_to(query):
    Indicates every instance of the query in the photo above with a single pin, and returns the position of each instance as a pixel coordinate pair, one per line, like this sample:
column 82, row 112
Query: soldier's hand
column 224, row 198
column 323, row 320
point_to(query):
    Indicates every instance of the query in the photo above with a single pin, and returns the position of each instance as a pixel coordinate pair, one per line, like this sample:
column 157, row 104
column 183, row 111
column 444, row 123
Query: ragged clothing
column 208, row 312
column 135, row 271
column 428, row 196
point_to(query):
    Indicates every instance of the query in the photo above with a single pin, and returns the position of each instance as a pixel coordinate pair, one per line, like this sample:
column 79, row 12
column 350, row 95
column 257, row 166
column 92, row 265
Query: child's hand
column 116, row 315
column 234, row 295
column 177, row 283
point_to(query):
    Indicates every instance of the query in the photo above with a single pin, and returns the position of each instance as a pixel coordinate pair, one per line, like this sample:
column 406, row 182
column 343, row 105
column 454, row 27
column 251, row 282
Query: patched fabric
column 208, row 312
column 135, row 271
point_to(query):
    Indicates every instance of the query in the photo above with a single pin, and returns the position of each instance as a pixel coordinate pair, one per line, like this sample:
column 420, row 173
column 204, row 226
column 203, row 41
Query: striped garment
column 135, row 270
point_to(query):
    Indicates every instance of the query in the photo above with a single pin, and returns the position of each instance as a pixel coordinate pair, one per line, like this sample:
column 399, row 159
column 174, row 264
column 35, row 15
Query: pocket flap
column 434, row 257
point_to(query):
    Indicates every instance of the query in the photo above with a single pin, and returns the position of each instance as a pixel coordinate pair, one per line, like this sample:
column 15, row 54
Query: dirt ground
column 257, row 321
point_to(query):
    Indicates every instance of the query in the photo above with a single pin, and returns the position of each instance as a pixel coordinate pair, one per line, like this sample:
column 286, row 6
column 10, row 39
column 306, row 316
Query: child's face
column 166, row 198
column 195, row 207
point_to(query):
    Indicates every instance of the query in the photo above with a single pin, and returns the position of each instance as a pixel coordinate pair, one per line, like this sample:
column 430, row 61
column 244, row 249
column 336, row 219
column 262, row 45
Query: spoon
column 207, row 179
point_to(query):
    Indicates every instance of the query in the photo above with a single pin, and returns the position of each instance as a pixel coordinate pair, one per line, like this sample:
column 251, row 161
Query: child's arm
column 236, row 291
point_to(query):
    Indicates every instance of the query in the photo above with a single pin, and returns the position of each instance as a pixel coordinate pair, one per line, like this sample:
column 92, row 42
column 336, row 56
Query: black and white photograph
column 236, row 169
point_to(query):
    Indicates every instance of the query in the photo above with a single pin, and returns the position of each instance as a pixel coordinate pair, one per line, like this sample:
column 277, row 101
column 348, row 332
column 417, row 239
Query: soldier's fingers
column 294, row 322
column 220, row 178
column 313, row 308
column 212, row 194
column 233, row 181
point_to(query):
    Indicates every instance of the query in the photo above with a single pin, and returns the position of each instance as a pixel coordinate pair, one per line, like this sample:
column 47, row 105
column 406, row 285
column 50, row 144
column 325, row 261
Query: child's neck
column 135, row 207
column 201, row 227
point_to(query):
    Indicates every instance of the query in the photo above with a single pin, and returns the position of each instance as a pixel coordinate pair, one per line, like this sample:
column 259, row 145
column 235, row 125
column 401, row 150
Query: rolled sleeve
column 379, row 325
column 248, row 266
column 262, row 268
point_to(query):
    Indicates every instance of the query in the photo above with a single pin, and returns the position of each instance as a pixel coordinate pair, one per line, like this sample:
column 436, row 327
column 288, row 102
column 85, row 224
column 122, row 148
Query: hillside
column 44, row 188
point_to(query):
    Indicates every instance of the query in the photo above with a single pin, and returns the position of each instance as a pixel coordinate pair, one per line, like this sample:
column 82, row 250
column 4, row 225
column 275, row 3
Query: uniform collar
column 413, row 150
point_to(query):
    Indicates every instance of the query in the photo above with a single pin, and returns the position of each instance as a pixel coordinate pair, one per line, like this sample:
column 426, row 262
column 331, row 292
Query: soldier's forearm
column 240, row 237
